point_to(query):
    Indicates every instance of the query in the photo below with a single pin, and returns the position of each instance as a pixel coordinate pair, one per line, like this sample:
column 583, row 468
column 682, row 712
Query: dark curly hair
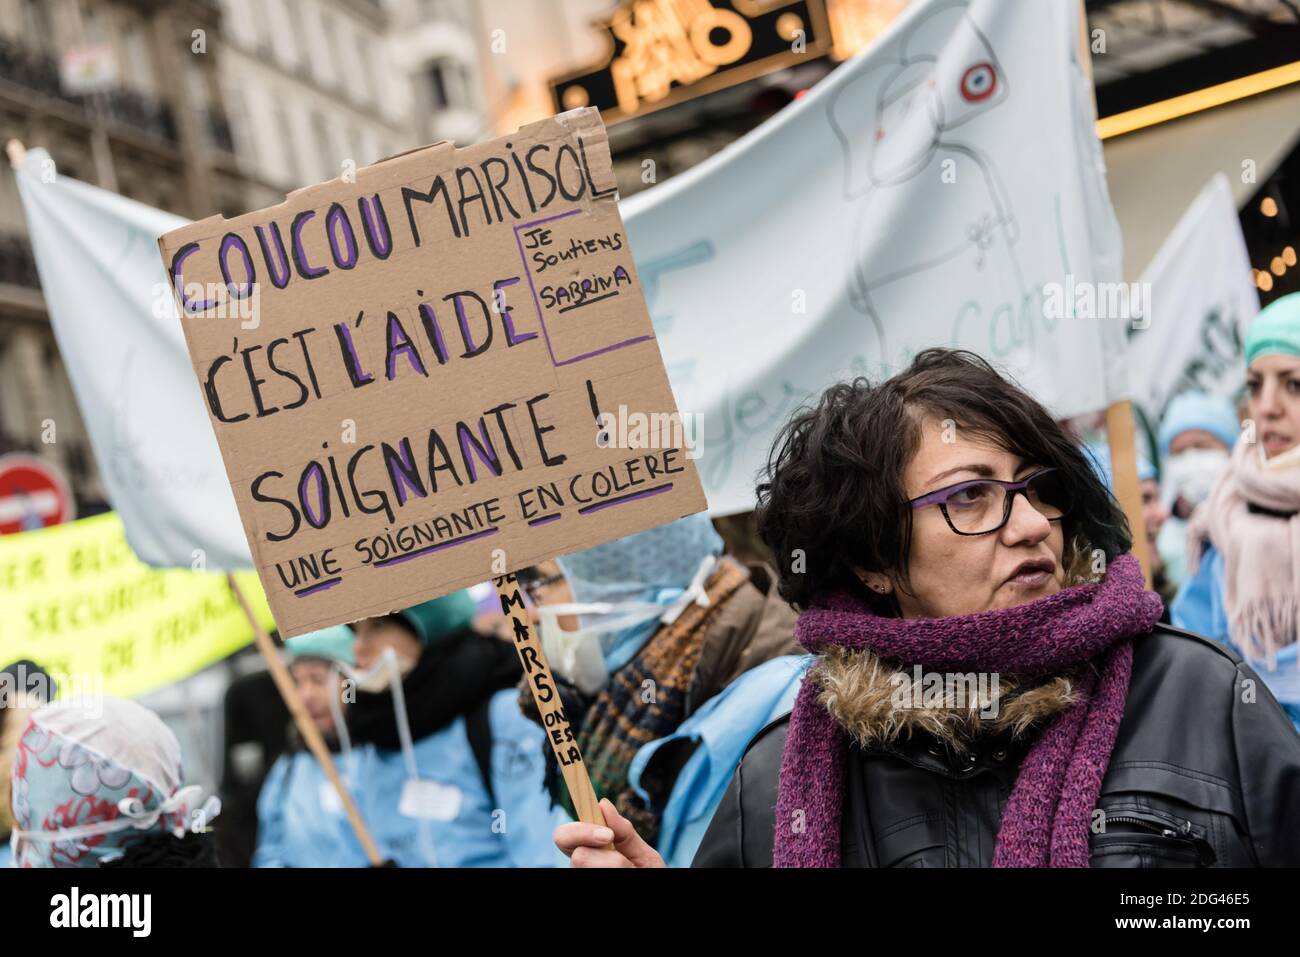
column 833, row 495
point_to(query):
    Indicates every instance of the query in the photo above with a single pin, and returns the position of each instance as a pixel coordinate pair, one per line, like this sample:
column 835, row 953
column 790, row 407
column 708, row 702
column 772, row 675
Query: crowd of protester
column 737, row 711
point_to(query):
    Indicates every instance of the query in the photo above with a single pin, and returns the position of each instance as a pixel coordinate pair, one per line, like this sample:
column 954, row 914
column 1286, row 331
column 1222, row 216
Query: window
column 36, row 25
column 448, row 84
column 325, row 159
column 139, row 67
column 368, row 63
column 94, row 29
column 352, row 63
column 295, row 41
column 438, row 85
column 197, row 84
column 371, row 152
column 330, row 50
column 435, row 10
column 260, row 27
column 241, row 129
column 280, row 117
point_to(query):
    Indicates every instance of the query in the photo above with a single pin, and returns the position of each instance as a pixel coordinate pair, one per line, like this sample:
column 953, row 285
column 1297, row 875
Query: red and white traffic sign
column 33, row 494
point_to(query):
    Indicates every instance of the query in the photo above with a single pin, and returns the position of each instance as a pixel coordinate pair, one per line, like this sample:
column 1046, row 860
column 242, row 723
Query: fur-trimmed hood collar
column 878, row 702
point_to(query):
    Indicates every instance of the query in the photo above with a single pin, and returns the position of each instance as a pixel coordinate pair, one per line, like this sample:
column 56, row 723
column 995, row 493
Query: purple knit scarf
column 1048, row 814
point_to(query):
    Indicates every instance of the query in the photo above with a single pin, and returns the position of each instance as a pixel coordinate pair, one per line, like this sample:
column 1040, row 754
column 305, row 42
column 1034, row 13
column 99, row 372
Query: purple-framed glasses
column 982, row 506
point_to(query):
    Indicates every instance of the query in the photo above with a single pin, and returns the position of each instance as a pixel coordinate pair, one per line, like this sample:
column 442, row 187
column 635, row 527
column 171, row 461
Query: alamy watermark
column 652, row 430
column 933, row 690
column 1129, row 301
column 214, row 300
column 133, row 912
column 83, row 689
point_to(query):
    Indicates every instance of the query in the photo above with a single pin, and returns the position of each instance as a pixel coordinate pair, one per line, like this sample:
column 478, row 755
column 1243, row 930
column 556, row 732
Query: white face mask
column 379, row 676
column 610, row 633
column 579, row 656
column 1171, row 543
column 1191, row 475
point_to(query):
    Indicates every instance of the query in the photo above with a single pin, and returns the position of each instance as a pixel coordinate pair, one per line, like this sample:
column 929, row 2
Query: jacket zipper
column 1184, row 832
column 1163, row 829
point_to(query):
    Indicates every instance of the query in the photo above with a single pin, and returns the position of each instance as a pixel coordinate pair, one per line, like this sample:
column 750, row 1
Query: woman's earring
column 879, row 587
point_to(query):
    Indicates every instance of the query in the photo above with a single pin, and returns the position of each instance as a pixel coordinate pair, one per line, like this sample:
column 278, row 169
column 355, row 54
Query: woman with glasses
column 991, row 686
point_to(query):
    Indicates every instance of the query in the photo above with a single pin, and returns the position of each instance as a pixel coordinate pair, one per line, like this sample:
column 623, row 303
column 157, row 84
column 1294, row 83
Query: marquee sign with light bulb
column 661, row 52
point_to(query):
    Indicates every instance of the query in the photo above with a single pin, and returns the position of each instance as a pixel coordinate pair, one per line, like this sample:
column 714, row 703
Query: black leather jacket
column 1205, row 773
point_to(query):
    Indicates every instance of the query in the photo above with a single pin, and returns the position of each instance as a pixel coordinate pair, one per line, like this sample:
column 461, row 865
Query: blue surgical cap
column 1198, row 410
column 332, row 644
column 1276, row 330
column 654, row 566
column 641, row 566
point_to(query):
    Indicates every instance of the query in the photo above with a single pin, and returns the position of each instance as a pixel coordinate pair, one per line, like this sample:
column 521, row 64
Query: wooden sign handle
column 1123, row 468
column 541, row 683
column 310, row 733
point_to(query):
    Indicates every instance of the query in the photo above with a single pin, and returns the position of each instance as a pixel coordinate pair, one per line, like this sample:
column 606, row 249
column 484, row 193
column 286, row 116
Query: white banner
column 926, row 193
column 942, row 188
column 115, row 321
column 1203, row 300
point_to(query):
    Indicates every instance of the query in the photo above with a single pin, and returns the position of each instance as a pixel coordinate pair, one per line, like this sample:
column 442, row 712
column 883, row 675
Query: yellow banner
column 76, row 600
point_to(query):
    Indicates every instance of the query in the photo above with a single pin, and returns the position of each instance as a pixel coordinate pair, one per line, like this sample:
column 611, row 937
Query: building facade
column 117, row 93
column 191, row 106
column 313, row 91
column 435, row 43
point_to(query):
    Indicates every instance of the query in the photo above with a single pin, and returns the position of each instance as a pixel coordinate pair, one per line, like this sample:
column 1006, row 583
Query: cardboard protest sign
column 436, row 373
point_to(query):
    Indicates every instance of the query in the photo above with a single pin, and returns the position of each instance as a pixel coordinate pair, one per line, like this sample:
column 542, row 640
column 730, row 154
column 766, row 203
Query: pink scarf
column 1261, row 552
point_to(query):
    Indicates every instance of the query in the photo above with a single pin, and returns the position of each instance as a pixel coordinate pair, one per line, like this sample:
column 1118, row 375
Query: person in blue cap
column 1154, row 514
column 311, row 663
column 443, row 768
column 450, row 774
column 300, row 816
column 1196, row 436
column 1244, row 539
